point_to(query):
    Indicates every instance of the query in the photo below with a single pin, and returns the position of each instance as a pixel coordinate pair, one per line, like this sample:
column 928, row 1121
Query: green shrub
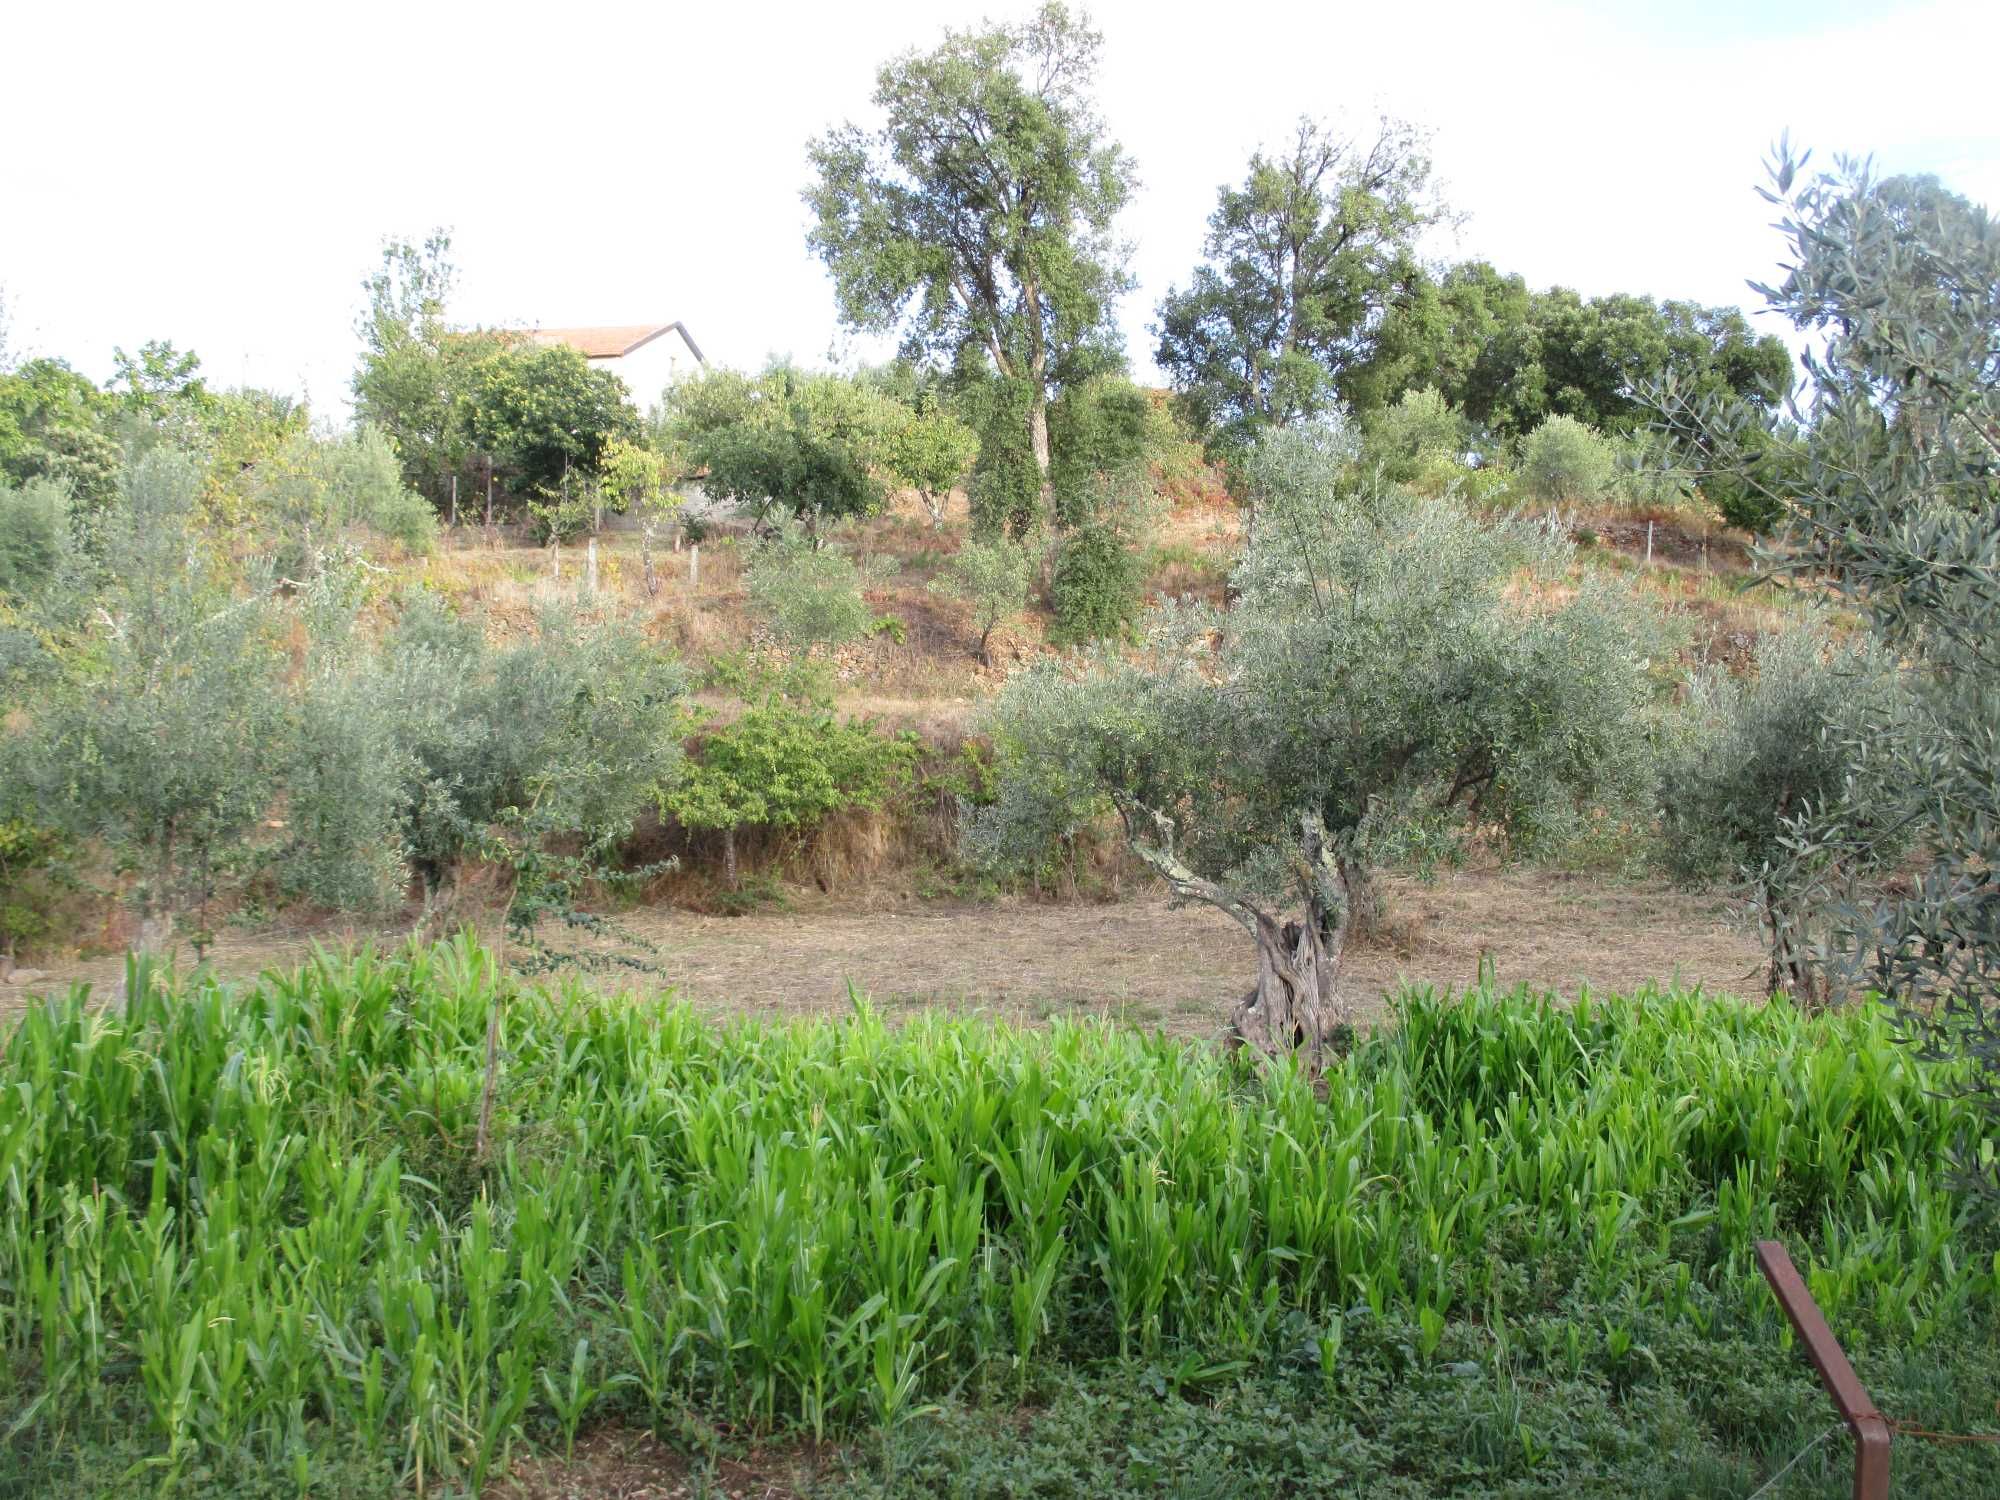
column 34, row 533
column 785, row 765
column 407, row 518
column 1094, row 592
column 808, row 593
column 30, row 883
column 1420, row 437
column 1754, row 755
column 1565, row 460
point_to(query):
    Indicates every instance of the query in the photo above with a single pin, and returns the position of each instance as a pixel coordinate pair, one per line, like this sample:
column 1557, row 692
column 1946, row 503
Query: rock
column 25, row 976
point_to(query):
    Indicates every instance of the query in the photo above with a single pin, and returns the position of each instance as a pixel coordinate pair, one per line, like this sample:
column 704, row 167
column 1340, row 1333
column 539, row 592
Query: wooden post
column 590, row 567
column 694, row 567
column 1850, row 1398
column 489, row 494
column 454, row 502
column 1649, row 544
column 555, row 559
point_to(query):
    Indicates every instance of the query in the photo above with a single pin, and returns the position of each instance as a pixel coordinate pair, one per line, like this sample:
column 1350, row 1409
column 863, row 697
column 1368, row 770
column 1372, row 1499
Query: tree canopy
column 1509, row 358
column 802, row 443
column 1303, row 260
column 979, row 216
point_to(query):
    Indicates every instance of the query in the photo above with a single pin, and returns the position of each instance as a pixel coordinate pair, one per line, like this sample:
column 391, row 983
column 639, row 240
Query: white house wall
column 651, row 368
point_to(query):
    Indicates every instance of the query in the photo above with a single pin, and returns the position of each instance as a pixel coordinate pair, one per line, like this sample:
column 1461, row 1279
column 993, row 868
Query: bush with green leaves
column 315, row 490
column 1754, row 755
column 929, row 450
column 31, row 856
column 575, row 725
column 808, row 591
column 990, row 578
column 1378, row 688
column 1094, row 586
column 1887, row 474
column 346, row 763
column 56, row 425
column 34, row 534
column 1564, row 460
column 789, row 442
column 1420, row 436
column 787, row 764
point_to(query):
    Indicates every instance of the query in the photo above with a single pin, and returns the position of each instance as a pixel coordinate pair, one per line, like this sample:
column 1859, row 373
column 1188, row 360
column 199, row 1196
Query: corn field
column 292, row 1219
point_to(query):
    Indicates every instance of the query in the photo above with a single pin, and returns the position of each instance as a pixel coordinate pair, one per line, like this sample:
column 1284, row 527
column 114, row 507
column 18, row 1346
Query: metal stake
column 1850, row 1398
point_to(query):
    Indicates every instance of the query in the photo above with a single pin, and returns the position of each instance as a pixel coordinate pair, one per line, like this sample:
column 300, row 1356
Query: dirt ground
column 1136, row 960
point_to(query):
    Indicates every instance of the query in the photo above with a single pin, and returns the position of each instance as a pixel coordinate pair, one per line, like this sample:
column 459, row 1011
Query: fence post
column 1850, row 1398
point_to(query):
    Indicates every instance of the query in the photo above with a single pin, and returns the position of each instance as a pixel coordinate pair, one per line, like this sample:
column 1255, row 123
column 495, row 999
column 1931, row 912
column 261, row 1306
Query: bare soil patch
column 1138, row 960
column 625, row 1464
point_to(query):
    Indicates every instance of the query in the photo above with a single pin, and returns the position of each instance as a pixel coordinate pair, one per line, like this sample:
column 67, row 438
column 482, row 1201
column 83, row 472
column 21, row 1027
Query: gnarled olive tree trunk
column 1295, row 1006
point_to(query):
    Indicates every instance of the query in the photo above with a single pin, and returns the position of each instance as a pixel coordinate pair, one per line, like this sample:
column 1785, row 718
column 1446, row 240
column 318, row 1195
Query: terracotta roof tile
column 600, row 343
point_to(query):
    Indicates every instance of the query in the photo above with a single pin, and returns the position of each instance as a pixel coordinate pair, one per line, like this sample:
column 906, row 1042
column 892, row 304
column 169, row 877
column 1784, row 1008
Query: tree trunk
column 1038, row 399
column 1295, row 1006
column 156, row 916
column 729, row 857
column 1038, row 439
column 1792, row 971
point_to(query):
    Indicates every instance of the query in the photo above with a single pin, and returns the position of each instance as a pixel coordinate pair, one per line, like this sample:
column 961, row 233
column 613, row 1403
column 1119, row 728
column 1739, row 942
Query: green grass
column 248, row 1245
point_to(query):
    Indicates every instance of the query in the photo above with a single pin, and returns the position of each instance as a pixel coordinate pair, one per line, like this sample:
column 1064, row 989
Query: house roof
column 610, row 342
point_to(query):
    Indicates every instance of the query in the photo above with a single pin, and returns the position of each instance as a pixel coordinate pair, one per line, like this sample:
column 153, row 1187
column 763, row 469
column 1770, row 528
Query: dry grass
column 1137, row 960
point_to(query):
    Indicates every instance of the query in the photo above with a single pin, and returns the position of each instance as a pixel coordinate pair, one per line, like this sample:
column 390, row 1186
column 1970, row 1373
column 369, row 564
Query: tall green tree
column 1303, row 260
column 980, row 215
column 1509, row 358
column 55, row 424
column 1432, row 336
column 415, row 375
column 542, row 414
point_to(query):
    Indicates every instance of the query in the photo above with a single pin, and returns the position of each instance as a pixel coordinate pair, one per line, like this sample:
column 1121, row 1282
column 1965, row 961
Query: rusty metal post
column 1850, row 1399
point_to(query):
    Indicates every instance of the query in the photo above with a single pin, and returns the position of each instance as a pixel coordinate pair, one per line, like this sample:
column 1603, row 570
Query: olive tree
column 1888, row 487
column 162, row 738
column 1753, row 755
column 1388, row 679
column 1564, row 459
column 991, row 578
column 807, row 593
column 565, row 733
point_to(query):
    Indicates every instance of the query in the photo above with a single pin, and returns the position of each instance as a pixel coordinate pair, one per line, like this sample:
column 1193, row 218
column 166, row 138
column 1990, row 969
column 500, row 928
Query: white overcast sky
column 222, row 176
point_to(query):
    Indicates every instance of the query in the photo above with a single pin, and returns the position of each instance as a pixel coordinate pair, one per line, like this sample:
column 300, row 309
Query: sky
column 223, row 176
